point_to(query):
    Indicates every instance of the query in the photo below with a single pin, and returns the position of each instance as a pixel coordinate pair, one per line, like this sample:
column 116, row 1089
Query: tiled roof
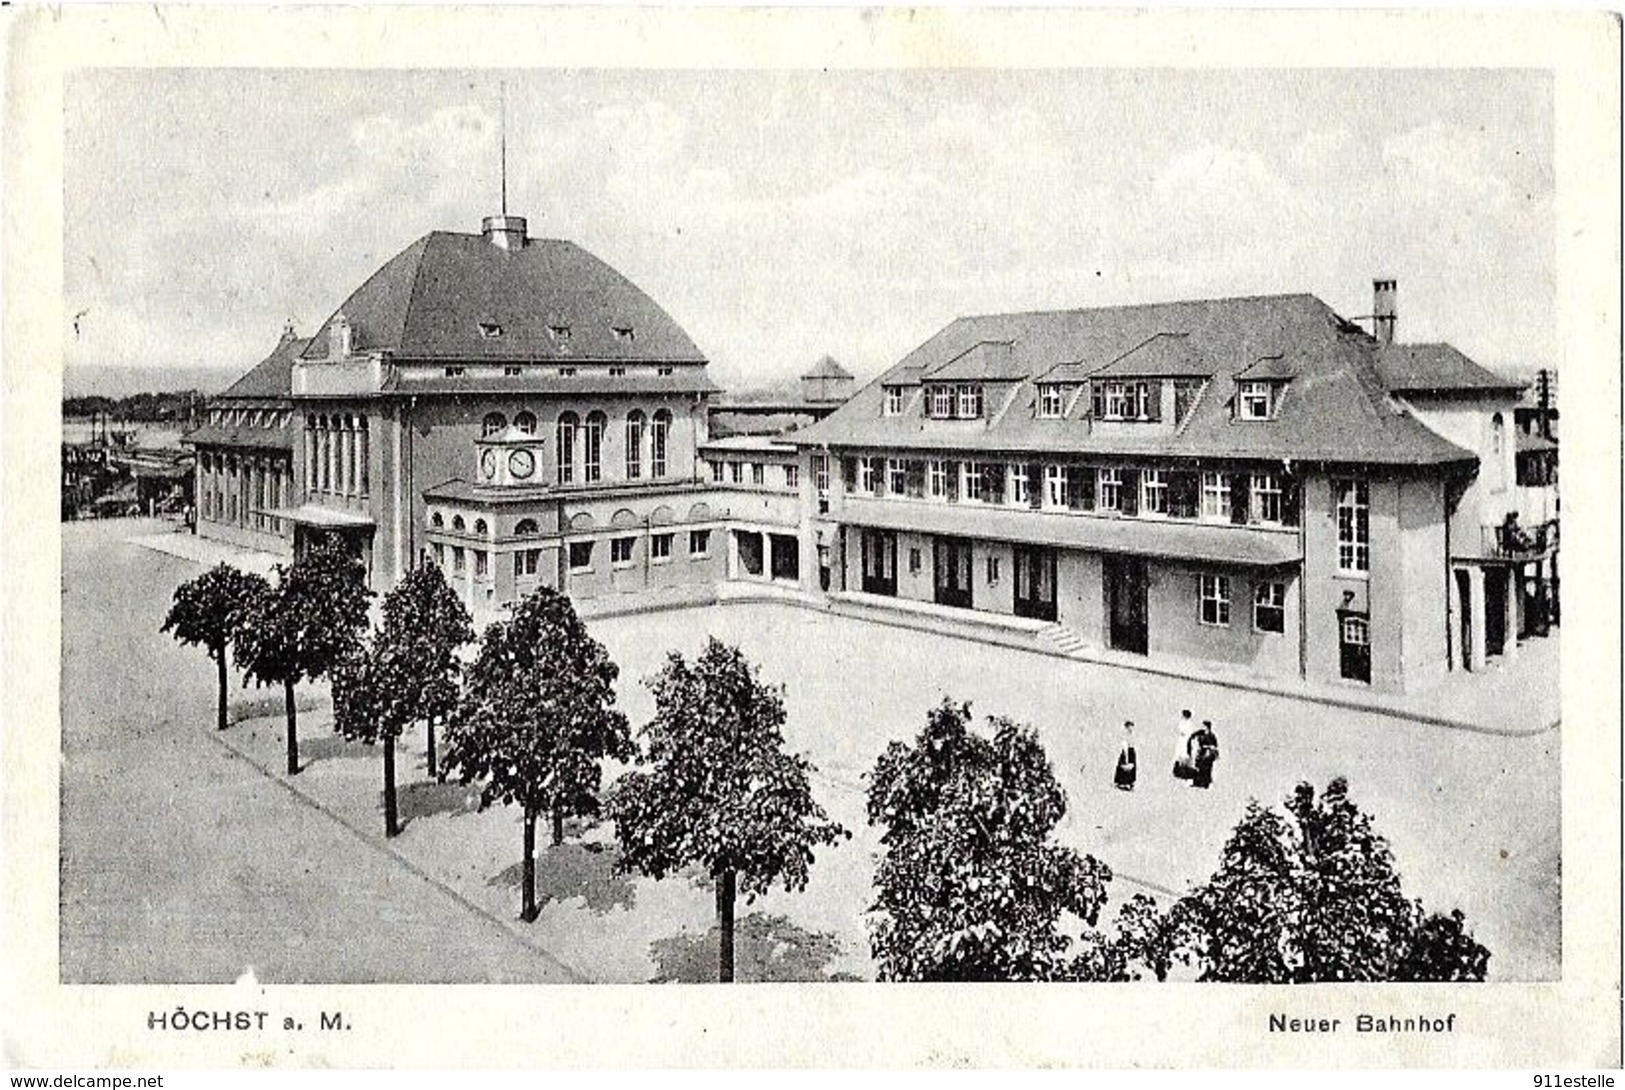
column 216, row 435
column 1426, row 367
column 987, row 361
column 1335, row 408
column 826, row 367
column 1166, row 355
column 272, row 377
column 684, row 379
column 431, row 300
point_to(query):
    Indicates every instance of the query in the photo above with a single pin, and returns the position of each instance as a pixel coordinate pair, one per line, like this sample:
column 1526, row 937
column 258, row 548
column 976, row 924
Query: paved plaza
column 189, row 856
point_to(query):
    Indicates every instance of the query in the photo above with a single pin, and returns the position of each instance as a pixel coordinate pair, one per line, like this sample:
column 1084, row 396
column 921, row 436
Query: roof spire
column 502, row 130
column 502, row 230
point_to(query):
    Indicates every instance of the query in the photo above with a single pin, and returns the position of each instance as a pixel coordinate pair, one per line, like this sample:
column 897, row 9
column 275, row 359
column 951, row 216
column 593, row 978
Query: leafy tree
column 371, row 703
column 536, row 719
column 970, row 886
column 715, row 788
column 206, row 611
column 426, row 621
column 1313, row 896
column 304, row 626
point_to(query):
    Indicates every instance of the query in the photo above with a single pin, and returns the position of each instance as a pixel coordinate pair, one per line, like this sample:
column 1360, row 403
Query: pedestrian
column 1182, row 766
column 1203, row 750
column 1127, row 765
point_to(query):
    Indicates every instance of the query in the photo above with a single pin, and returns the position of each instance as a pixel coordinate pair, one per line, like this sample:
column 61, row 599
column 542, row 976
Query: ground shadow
column 268, row 704
column 330, row 747
column 767, row 949
column 575, row 870
column 427, row 798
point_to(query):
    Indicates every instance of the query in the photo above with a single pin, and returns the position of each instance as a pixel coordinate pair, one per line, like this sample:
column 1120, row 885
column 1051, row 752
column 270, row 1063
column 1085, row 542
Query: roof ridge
column 1145, row 306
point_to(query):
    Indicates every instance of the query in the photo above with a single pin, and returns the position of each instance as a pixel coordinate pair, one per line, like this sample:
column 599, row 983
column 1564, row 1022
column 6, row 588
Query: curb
column 573, row 975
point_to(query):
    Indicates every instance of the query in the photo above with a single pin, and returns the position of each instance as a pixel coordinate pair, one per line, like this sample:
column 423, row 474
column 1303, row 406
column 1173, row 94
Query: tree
column 1313, row 896
column 304, row 626
column 970, row 886
column 425, row 621
column 537, row 718
column 407, row 672
column 715, row 788
column 207, row 610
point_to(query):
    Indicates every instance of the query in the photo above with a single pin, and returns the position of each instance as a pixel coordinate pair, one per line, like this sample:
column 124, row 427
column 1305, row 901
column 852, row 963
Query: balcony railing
column 1519, row 542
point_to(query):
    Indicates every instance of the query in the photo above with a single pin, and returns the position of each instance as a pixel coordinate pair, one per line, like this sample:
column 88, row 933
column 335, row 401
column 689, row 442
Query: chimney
column 504, row 232
column 1384, row 309
column 340, row 338
column 288, row 332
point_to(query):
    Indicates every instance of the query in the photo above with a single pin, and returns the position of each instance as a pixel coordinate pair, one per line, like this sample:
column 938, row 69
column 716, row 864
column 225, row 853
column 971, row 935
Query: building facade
column 1256, row 483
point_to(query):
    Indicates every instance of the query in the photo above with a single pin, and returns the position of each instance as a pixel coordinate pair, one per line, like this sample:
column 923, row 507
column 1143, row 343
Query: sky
column 779, row 216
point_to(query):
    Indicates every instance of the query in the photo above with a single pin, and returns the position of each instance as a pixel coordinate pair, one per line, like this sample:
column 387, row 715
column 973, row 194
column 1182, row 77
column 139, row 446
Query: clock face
column 488, row 464
column 521, row 463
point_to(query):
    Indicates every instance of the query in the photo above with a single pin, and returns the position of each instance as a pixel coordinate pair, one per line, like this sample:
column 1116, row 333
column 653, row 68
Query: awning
column 311, row 514
column 1173, row 539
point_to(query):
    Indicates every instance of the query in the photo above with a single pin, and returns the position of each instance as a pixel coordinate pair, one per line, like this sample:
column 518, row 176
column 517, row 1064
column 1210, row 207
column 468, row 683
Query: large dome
column 462, row 296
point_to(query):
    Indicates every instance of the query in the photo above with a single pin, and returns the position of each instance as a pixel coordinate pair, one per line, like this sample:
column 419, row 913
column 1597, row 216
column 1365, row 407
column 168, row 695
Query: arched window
column 526, row 526
column 568, row 425
column 458, row 524
column 494, row 422
column 437, row 520
column 634, row 444
column 1498, row 446
column 525, row 421
column 593, row 462
column 479, row 526
column 658, row 436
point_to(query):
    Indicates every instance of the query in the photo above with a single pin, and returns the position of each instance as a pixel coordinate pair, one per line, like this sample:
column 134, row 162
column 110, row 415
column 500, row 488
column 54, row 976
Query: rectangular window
column 937, row 480
column 758, row 473
column 620, row 551
column 866, row 475
column 459, row 562
column 914, row 562
column 1265, row 497
column 567, row 372
column 479, row 563
column 453, row 371
column 894, row 401
column 942, row 402
column 659, row 436
column 792, row 476
column 617, row 372
column 1051, row 401
column 1269, row 607
column 1057, row 492
column 736, row 472
column 1154, row 492
column 1353, row 503
column 896, row 477
column 1214, row 591
column 969, row 406
column 1018, row 484
column 1216, row 496
column 821, row 474
column 580, row 556
column 699, row 543
column 1108, row 489
column 659, row 547
column 512, row 369
column 1255, row 400
column 970, row 482
column 1116, row 400
column 993, row 571
column 439, row 555
column 526, row 562
column 716, row 471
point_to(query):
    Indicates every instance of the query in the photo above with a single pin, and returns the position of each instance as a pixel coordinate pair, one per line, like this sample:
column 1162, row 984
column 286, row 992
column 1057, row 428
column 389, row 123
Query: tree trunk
column 293, row 728
column 725, row 925
column 220, row 661
column 558, row 826
column 529, row 912
column 391, row 818
column 430, row 723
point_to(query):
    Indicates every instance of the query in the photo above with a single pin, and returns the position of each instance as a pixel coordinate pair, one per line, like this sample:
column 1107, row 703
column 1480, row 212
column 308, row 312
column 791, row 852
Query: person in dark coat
column 1203, row 751
column 1127, row 765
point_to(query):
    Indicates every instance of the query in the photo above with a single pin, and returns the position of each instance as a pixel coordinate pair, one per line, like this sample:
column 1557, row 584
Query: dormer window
column 490, row 330
column 1051, row 401
column 512, row 370
column 566, row 372
column 617, row 372
column 624, row 333
column 665, row 372
column 453, row 371
column 1120, row 400
column 559, row 332
column 894, row 401
column 1256, row 400
column 970, row 402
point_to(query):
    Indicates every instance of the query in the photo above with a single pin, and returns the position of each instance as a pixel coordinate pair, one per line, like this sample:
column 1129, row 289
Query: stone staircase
column 1062, row 639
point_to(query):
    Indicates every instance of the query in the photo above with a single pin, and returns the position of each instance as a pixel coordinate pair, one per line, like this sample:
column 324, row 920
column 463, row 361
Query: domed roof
column 459, row 296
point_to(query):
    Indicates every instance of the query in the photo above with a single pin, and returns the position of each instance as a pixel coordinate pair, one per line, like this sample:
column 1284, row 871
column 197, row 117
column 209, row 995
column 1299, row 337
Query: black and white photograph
column 741, row 524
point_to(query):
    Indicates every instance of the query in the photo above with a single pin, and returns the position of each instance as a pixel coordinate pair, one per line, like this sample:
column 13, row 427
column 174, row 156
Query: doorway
column 1127, row 622
column 879, row 548
column 1035, row 582
column 1496, row 589
column 1354, row 646
column 953, row 572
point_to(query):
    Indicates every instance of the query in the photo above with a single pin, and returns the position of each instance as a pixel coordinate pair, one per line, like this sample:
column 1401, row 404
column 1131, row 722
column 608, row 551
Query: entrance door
column 1354, row 646
column 1495, row 610
column 953, row 564
column 879, row 549
column 1126, row 611
column 1035, row 582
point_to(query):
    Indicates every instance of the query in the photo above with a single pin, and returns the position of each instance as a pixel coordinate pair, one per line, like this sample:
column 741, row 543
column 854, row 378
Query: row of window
column 567, row 370
column 645, row 437
column 1109, row 399
column 337, row 458
column 1213, row 603
column 249, row 418
column 732, row 471
column 527, row 562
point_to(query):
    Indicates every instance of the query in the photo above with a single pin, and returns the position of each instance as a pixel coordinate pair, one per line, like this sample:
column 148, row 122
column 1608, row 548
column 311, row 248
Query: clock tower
column 510, row 458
